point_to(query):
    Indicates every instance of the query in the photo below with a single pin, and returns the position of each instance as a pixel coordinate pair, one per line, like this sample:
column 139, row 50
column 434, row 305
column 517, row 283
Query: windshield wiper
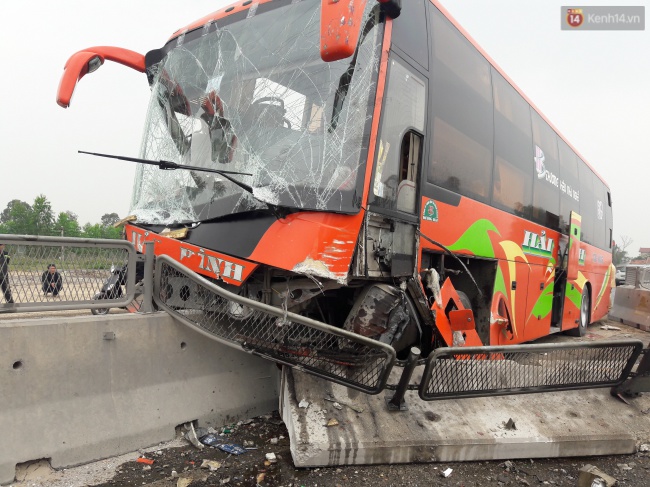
column 170, row 166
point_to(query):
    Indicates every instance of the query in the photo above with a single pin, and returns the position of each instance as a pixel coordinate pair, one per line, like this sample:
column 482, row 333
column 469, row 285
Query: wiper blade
column 170, row 166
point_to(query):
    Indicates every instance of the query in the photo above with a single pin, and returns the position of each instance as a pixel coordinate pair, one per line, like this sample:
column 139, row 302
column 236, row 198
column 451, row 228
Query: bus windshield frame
column 251, row 94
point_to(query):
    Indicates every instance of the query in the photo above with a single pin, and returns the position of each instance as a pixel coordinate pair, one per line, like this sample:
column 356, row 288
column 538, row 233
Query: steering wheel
column 271, row 101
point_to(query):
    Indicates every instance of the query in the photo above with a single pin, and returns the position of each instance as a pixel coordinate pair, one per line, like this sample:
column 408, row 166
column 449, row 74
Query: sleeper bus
column 360, row 166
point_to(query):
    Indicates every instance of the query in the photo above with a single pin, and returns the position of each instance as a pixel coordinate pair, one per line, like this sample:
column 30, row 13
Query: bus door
column 565, row 312
column 392, row 218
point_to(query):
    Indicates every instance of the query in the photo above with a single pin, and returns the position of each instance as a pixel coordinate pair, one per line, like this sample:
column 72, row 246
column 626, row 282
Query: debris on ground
column 232, row 448
column 271, row 457
column 593, row 476
column 304, row 404
column 147, row 461
column 446, row 473
column 644, row 448
column 609, row 327
column 211, row 465
column 192, row 437
column 332, row 422
column 211, row 439
column 510, row 425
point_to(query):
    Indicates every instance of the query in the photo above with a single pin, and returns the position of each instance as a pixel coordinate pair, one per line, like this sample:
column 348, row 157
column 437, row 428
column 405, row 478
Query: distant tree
column 99, row 231
column 14, row 207
column 16, row 218
column 42, row 217
column 619, row 254
column 67, row 225
column 109, row 219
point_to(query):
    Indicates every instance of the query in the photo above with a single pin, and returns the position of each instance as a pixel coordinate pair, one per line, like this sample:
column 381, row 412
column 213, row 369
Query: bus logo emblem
column 539, row 162
column 537, row 245
column 430, row 212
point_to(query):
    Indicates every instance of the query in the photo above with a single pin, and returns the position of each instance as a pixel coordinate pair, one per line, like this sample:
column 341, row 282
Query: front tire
column 585, row 315
column 100, row 311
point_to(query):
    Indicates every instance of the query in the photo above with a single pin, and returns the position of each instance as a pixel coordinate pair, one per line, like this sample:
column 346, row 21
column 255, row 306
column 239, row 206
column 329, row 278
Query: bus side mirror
column 89, row 60
column 340, row 23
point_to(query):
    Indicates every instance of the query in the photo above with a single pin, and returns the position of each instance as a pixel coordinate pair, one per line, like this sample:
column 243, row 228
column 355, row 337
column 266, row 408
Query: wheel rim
column 584, row 310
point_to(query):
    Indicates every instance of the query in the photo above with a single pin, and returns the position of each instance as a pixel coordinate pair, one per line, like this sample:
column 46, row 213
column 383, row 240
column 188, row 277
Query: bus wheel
column 585, row 312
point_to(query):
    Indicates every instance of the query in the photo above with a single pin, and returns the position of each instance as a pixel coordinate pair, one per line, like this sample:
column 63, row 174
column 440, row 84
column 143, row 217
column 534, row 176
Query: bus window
column 513, row 174
column 546, row 186
column 601, row 234
column 569, row 185
column 461, row 91
column 403, row 113
column 587, row 202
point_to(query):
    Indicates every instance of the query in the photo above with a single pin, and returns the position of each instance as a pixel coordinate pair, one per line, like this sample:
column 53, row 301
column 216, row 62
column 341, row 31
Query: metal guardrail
column 283, row 337
column 82, row 265
column 521, row 369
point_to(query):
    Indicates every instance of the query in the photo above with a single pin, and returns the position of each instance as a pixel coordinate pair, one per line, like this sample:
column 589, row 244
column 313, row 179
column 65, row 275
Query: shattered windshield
column 254, row 97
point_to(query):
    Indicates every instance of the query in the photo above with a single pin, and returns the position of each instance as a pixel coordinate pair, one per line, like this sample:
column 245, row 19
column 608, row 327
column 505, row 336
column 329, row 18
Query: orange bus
column 367, row 166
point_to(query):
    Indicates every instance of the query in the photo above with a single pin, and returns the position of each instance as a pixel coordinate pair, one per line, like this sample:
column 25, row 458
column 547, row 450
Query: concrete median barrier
column 632, row 306
column 78, row 389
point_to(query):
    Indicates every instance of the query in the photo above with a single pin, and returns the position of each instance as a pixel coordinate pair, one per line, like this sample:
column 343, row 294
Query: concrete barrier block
column 79, row 389
column 631, row 306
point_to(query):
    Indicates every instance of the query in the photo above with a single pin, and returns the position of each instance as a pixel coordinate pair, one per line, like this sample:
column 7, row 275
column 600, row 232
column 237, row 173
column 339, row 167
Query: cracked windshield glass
column 254, row 99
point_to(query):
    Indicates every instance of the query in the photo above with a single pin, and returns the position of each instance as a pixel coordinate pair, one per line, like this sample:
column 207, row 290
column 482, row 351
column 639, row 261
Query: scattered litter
column 249, row 445
column 232, row 448
column 174, row 474
column 337, row 406
column 211, row 439
column 644, row 448
column 148, row 461
column 332, row 422
column 183, row 482
column 609, row 327
column 192, row 438
column 510, row 425
column 225, row 481
column 273, row 441
column 212, row 465
column 303, row 404
column 247, row 421
column 623, row 466
column 508, row 465
column 146, row 467
column 592, row 476
column 227, row 430
column 260, row 477
column 446, row 473
column 271, row 457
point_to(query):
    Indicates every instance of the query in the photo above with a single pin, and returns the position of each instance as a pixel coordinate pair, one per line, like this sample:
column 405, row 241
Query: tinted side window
column 587, row 202
column 513, row 170
column 569, row 185
column 410, row 31
column 546, row 189
column 461, row 92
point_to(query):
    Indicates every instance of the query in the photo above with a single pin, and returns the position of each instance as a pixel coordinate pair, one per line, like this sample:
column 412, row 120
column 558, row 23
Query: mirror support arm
column 87, row 61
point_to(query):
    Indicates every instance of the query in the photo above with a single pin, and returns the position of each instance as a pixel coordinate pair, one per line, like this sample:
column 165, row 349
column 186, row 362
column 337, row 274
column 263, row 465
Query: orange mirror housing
column 340, row 23
column 87, row 61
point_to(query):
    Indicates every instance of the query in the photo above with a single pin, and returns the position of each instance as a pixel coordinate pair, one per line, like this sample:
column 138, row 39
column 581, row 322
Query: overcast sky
column 594, row 86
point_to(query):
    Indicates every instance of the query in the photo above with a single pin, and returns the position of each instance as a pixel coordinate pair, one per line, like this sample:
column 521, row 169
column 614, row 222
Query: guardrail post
column 397, row 403
column 147, row 280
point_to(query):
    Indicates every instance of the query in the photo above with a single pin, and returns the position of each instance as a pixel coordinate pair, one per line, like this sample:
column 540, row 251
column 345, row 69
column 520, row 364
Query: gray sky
column 593, row 86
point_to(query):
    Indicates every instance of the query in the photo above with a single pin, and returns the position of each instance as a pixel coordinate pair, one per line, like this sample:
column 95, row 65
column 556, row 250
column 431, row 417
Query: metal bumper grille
column 521, row 369
column 314, row 347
